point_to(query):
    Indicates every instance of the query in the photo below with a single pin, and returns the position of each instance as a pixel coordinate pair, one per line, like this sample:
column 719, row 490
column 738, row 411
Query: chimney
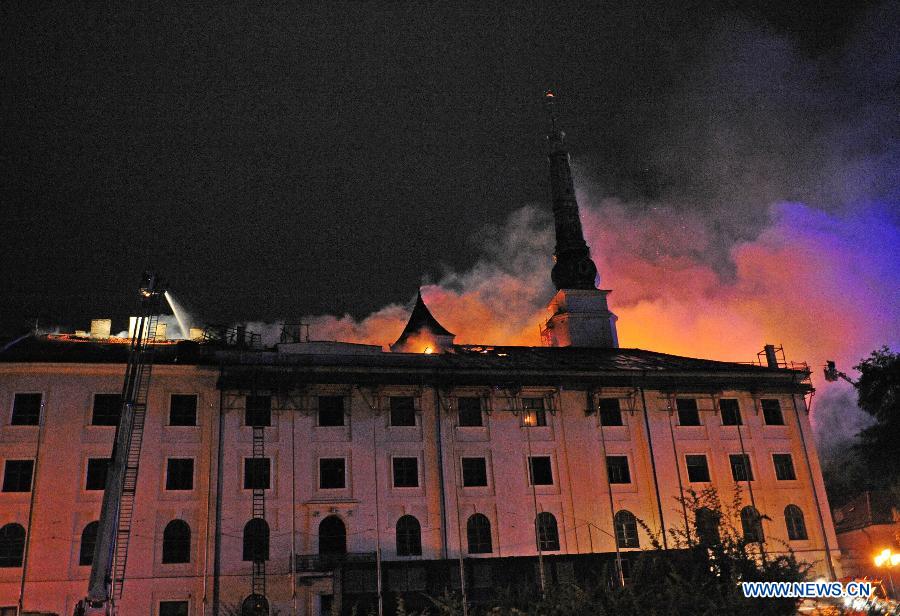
column 771, row 358
column 100, row 328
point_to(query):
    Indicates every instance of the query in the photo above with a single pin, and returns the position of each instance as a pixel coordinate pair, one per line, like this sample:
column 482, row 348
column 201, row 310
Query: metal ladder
column 143, row 369
column 258, row 579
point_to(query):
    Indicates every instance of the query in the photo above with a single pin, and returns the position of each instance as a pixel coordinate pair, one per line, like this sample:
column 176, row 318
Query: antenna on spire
column 550, row 98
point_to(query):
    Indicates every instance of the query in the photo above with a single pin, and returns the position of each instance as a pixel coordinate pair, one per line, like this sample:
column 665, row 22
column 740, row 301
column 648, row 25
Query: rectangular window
column 107, row 409
column 535, row 413
column 772, row 412
column 258, row 411
column 17, row 475
column 784, row 467
column 688, row 415
column 469, row 412
column 731, row 412
column 180, row 474
column 610, row 412
column 474, row 472
column 697, row 468
column 332, row 473
column 406, row 472
column 26, row 410
column 617, row 469
column 740, row 467
column 403, row 411
column 540, row 470
column 331, row 411
column 96, row 473
column 173, row 608
column 183, row 410
column 257, row 473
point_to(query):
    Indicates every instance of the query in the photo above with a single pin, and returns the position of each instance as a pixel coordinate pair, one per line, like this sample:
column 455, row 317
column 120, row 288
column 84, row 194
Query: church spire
column 573, row 267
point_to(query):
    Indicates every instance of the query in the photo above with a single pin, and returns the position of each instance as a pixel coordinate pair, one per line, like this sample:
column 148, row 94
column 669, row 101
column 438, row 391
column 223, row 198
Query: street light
column 888, row 560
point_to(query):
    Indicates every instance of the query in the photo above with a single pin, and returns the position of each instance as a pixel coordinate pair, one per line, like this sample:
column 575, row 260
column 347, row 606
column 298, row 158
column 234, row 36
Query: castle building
column 315, row 476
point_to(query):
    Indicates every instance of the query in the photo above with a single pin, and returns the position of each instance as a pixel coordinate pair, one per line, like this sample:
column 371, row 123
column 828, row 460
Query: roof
column 421, row 318
column 867, row 509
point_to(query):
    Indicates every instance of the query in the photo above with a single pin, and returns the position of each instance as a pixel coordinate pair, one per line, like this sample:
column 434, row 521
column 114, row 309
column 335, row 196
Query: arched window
column 256, row 540
column 176, row 542
column 12, row 545
column 478, row 529
column 751, row 522
column 332, row 536
column 88, row 543
column 796, row 525
column 255, row 605
column 547, row 532
column 409, row 536
column 626, row 530
column 707, row 524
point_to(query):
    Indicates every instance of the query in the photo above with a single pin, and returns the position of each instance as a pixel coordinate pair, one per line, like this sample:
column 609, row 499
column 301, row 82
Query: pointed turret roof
column 421, row 318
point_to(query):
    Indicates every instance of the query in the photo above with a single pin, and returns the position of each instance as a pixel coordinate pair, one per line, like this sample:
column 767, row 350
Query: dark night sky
column 278, row 161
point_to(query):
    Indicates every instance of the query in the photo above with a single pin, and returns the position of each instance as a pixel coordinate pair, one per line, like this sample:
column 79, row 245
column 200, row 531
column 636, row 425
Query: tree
column 878, row 391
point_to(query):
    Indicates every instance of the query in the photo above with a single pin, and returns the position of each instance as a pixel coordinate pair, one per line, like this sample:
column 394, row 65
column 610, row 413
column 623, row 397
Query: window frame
column 88, row 475
column 469, row 413
column 776, row 413
column 746, row 464
column 614, row 414
column 12, row 551
column 539, row 412
column 784, row 457
column 396, row 465
column 107, row 419
column 471, row 460
column 171, row 478
column 546, row 533
column 264, row 411
column 411, row 536
column 409, row 415
column 181, row 422
column 693, row 413
column 177, row 603
column 322, row 471
column 737, row 410
column 790, row 522
column 626, row 522
column 609, row 471
column 337, row 420
column 532, row 475
column 250, row 474
column 180, row 544
column 40, row 407
column 689, row 467
column 13, row 474
column 86, row 557
column 481, row 541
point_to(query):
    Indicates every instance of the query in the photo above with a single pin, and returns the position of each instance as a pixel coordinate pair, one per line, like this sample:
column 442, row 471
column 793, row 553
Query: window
column 474, row 472
column 535, row 414
column 740, row 467
column 796, row 526
column 180, row 474
column 332, row 536
column 173, row 608
column 547, row 532
column 540, row 471
column 176, row 543
column 331, row 411
column 409, row 536
column 784, row 467
column 617, row 469
column 331, row 473
column 257, row 473
column 626, row 530
column 96, row 473
column 772, row 412
column 258, row 411
column 731, row 412
column 478, row 532
column 469, row 412
column 403, row 411
column 17, row 475
column 12, row 545
column 697, row 468
column 706, row 522
column 406, row 472
column 751, row 523
column 256, row 540
column 107, row 410
column 26, row 410
column 88, row 543
column 183, row 410
column 688, row 415
column 610, row 412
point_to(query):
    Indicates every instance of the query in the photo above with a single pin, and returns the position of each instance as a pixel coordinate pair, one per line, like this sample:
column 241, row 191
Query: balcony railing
column 328, row 562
